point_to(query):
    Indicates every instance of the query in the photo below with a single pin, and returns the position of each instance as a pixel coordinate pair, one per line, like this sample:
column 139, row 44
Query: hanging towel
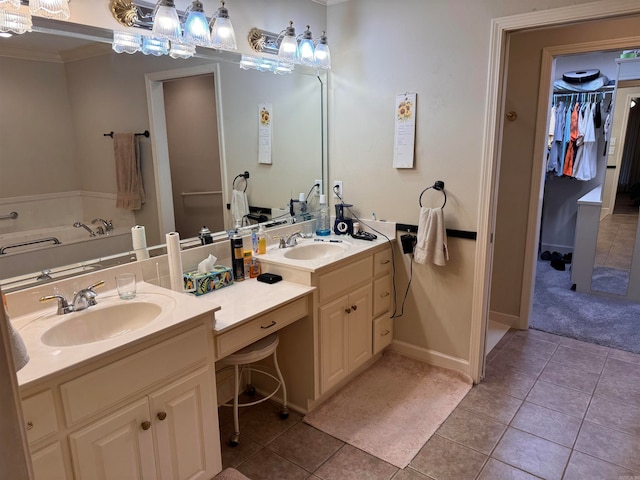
column 431, row 246
column 239, row 206
column 18, row 349
column 130, row 193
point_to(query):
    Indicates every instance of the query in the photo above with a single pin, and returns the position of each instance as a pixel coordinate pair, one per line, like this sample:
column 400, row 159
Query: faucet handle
column 63, row 305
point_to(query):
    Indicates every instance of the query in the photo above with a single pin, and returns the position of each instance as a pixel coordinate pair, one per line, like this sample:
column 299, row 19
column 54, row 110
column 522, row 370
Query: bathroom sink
column 91, row 325
column 314, row 251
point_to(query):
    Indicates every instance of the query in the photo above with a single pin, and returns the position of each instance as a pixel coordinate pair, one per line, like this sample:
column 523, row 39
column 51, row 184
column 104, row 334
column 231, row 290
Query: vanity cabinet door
column 360, row 326
column 48, row 463
column 116, row 447
column 185, row 427
column 334, row 331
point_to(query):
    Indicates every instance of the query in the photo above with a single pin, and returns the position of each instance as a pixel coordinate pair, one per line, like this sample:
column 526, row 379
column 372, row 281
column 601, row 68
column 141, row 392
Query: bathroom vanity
column 142, row 403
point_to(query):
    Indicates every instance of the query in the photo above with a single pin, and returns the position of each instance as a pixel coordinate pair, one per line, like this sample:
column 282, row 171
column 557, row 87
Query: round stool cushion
column 254, row 352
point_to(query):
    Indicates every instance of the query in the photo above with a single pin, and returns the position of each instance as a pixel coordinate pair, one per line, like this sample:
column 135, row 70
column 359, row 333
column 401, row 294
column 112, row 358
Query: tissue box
column 201, row 283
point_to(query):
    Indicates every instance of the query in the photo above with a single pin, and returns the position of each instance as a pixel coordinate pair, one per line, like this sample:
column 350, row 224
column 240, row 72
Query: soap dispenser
column 324, row 221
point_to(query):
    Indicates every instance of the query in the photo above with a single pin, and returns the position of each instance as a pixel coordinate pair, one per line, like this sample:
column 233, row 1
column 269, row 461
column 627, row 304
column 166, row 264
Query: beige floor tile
column 443, row 459
column 234, row 456
column 349, row 463
column 306, row 446
column 485, row 401
column 531, row 346
column 584, row 346
column 410, row 474
column 625, row 418
column 496, row 470
column 625, row 356
column 619, row 390
column 609, row 445
column 532, row 454
column 509, row 382
column 620, row 369
column 519, row 362
column 538, row 335
column 548, row 424
column 584, row 360
column 558, row 398
column 585, row 467
column 263, row 424
column 571, row 377
column 471, row 430
column 266, row 465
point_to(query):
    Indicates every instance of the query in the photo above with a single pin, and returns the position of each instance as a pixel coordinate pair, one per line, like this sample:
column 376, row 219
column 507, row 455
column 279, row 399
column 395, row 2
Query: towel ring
column 439, row 185
column 245, row 176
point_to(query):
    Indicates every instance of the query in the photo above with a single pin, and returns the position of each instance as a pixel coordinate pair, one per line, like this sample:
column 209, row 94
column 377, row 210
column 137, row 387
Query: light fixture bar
column 262, row 41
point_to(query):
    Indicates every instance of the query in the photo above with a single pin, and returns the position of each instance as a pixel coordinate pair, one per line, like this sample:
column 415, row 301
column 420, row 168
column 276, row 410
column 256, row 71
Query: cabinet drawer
column 382, row 262
column 48, row 463
column 344, row 279
column 246, row 334
column 39, row 416
column 106, row 386
column 381, row 295
column 382, row 333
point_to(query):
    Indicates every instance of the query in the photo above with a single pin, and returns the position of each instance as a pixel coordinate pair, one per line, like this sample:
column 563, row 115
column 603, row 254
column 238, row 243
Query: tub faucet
column 80, row 224
column 107, row 224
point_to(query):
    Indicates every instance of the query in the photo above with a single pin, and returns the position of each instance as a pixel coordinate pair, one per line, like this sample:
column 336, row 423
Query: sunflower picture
column 265, row 116
column 405, row 109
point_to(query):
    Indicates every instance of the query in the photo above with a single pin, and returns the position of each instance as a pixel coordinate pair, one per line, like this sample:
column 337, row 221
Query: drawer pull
column 29, row 425
column 384, row 262
column 146, row 425
column 385, row 294
column 162, row 415
column 348, row 310
column 354, row 307
column 385, row 333
column 264, row 327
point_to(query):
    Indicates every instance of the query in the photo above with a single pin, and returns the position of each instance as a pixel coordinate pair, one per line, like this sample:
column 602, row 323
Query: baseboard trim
column 431, row 357
column 505, row 318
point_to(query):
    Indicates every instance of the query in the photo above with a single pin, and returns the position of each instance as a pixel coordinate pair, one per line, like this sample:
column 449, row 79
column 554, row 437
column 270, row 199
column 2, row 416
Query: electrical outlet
column 318, row 182
column 337, row 189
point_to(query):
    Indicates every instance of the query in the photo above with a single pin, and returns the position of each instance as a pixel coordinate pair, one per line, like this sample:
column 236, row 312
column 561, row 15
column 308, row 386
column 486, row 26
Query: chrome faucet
column 107, row 224
column 80, row 224
column 291, row 240
column 82, row 300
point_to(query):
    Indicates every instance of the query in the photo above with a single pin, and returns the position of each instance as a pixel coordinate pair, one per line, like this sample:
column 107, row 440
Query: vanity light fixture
column 306, row 48
column 196, row 26
column 321, row 54
column 288, row 49
column 182, row 50
column 15, row 22
column 155, row 46
column 126, row 42
column 166, row 23
column 264, row 64
column 57, row 9
column 223, row 37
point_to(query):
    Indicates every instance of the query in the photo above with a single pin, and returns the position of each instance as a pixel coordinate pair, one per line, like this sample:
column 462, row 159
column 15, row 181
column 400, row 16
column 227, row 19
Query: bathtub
column 75, row 246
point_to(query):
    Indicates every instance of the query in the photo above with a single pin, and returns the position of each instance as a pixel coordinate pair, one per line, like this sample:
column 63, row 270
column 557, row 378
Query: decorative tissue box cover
column 201, row 283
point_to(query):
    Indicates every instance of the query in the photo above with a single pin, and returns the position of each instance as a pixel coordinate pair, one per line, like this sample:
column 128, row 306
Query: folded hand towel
column 431, row 245
column 126, row 150
column 239, row 206
column 18, row 348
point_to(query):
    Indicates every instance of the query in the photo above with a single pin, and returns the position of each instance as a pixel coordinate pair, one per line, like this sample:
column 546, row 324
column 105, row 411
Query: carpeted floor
column 590, row 318
column 392, row 408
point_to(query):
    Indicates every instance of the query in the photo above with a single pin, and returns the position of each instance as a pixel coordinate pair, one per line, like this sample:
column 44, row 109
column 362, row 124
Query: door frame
column 494, row 113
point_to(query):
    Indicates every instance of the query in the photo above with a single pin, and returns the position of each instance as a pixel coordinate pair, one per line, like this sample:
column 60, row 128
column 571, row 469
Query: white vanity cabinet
column 149, row 413
column 382, row 295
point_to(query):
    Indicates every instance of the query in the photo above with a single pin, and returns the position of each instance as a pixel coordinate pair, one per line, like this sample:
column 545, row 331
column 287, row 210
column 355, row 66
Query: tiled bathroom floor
column 550, row 407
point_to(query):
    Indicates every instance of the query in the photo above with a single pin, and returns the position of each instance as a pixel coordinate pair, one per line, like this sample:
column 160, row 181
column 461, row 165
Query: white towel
column 431, row 246
column 18, row 348
column 239, row 207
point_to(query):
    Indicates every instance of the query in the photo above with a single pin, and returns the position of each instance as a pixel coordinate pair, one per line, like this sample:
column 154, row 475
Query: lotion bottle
column 262, row 241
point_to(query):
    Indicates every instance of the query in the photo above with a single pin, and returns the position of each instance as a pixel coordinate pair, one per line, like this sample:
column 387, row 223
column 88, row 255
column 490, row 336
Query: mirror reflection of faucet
column 105, row 228
column 82, row 225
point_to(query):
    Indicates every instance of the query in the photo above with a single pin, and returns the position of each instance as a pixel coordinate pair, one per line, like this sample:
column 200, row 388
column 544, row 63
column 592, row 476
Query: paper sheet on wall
column 405, row 133
column 264, row 133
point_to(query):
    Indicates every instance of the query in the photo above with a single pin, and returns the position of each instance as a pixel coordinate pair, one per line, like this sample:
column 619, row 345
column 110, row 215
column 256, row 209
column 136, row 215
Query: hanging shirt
column 579, row 144
column 567, row 168
column 565, row 140
column 552, row 127
column 554, row 163
column 586, row 168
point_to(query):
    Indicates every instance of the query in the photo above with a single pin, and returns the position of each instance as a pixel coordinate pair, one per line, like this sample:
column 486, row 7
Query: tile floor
column 616, row 238
column 550, row 407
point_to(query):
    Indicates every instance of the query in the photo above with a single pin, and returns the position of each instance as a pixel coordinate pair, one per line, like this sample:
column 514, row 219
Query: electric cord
column 406, row 292
column 393, row 262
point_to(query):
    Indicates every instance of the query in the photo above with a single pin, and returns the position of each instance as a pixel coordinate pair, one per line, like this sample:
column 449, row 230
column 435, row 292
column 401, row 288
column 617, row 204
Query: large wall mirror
column 62, row 94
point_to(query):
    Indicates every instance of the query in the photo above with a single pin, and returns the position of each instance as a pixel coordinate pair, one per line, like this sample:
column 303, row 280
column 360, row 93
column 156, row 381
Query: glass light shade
column 125, row 42
column 182, row 50
column 16, row 22
column 196, row 26
column 306, row 49
column 166, row 23
column 223, row 37
column 11, row 4
column 58, row 9
column 322, row 55
column 155, row 46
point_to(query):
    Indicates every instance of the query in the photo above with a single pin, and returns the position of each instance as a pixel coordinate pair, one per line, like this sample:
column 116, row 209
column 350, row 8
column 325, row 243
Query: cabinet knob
column 385, row 333
column 29, row 425
column 384, row 262
column 354, row 307
column 162, row 415
column 385, row 294
column 348, row 310
column 146, row 425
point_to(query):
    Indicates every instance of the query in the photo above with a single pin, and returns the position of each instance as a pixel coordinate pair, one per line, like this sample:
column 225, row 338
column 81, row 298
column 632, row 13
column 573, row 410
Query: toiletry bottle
column 324, row 221
column 247, row 259
column 254, row 240
column 262, row 241
column 237, row 257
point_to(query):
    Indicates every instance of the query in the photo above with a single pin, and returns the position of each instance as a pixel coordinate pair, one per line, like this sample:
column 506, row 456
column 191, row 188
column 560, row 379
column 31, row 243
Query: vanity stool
column 243, row 362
